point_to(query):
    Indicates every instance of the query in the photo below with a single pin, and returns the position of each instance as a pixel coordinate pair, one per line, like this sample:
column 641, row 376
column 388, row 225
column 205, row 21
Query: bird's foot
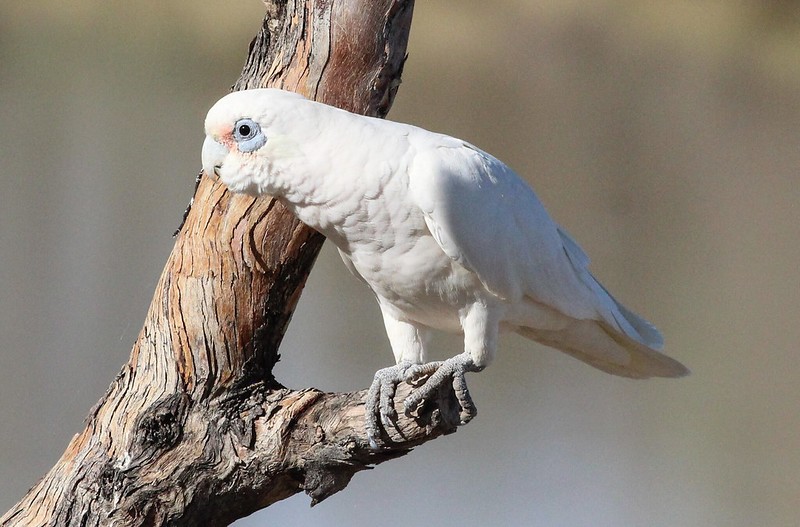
column 439, row 373
column 429, row 377
column 379, row 404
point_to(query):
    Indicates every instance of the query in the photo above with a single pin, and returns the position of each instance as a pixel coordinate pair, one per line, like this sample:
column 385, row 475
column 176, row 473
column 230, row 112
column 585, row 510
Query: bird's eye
column 248, row 135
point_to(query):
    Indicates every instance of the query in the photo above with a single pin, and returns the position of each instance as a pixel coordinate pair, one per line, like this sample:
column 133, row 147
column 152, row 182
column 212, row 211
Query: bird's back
column 430, row 222
column 490, row 221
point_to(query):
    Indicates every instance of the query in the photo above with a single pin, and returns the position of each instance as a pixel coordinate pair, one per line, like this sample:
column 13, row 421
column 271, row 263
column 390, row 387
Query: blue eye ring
column 248, row 135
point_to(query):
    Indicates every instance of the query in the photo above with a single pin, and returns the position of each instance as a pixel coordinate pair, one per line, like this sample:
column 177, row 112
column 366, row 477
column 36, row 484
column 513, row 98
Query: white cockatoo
column 446, row 236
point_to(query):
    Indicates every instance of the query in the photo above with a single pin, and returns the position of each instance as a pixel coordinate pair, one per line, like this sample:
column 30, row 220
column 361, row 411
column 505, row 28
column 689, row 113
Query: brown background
column 662, row 135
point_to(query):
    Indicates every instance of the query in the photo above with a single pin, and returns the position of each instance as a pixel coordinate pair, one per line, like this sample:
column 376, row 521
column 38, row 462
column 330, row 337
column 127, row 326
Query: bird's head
column 247, row 141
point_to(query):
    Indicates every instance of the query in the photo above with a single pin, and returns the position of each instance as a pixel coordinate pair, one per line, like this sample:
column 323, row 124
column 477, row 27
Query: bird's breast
column 413, row 276
column 384, row 239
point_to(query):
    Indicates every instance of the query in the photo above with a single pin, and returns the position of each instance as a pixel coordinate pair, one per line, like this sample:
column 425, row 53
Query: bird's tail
column 620, row 342
column 598, row 344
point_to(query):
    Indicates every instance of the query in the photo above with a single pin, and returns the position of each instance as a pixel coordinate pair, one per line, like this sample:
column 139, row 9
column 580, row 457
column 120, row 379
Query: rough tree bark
column 195, row 430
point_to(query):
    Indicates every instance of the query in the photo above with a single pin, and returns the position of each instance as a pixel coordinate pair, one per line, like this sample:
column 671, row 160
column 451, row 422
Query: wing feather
column 490, row 221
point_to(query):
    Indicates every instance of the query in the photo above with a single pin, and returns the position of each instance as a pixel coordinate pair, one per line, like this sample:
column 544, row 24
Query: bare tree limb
column 195, row 430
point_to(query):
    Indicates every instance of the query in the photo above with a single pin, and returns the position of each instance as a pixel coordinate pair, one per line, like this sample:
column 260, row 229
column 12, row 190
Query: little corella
column 446, row 236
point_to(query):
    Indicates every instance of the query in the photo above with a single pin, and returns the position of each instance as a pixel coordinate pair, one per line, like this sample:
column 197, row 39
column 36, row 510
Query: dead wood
column 195, row 430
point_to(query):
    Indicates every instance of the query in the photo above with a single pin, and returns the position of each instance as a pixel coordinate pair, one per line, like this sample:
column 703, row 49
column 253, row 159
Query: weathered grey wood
column 195, row 430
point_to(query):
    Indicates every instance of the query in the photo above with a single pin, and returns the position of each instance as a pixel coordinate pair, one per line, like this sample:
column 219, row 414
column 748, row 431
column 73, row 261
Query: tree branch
column 195, row 430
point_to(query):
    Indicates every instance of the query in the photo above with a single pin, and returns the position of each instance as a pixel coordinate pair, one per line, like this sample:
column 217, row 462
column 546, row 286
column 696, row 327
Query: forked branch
column 195, row 430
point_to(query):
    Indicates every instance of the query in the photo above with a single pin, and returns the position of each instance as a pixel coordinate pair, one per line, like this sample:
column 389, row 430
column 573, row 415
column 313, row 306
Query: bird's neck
column 323, row 211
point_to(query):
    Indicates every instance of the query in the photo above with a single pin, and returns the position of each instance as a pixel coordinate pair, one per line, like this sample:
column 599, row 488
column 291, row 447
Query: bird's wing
column 490, row 221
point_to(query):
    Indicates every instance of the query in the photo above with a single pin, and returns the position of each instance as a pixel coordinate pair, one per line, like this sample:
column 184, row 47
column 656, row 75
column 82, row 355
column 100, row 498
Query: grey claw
column 419, row 373
column 379, row 404
column 468, row 408
column 451, row 371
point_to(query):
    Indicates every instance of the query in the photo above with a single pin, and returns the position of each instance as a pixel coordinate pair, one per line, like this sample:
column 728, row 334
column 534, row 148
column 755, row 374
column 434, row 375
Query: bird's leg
column 481, row 325
column 408, row 346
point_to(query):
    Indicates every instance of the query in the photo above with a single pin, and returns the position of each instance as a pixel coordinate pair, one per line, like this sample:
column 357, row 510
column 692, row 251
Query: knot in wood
column 159, row 427
column 111, row 481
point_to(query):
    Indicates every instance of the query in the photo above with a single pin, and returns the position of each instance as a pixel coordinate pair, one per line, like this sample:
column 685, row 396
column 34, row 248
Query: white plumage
column 445, row 235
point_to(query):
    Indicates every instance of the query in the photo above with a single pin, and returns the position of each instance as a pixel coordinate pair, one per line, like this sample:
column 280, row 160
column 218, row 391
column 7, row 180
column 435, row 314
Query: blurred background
column 662, row 135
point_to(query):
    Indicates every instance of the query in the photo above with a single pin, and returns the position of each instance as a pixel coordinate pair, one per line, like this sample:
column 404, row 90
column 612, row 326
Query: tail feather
column 626, row 320
column 620, row 342
column 607, row 306
column 650, row 336
column 603, row 347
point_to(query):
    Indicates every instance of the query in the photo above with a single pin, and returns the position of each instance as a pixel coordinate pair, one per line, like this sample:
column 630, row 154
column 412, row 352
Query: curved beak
column 214, row 154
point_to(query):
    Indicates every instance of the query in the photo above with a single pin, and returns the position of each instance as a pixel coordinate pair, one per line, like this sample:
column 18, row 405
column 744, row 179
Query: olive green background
column 662, row 135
